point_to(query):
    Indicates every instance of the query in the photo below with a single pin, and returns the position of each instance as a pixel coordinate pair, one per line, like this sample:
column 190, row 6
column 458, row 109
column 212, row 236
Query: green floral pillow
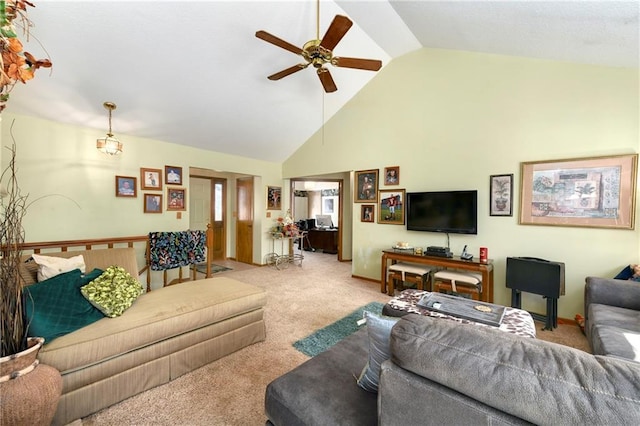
column 113, row 292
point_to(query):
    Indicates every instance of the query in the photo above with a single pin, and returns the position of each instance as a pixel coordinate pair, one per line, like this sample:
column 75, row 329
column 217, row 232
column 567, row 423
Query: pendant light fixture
column 109, row 144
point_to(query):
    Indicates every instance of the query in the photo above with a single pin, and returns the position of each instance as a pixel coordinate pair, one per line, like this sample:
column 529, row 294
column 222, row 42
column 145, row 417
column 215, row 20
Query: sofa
column 612, row 317
column 443, row 372
column 165, row 333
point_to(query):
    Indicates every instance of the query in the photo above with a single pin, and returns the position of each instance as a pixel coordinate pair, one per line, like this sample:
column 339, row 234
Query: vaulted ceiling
column 193, row 72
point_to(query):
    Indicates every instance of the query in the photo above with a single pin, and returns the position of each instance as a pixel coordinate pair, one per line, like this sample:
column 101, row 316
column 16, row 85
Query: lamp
column 109, row 144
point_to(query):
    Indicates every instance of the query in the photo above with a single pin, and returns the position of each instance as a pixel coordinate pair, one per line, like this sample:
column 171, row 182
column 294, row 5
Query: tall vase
column 30, row 391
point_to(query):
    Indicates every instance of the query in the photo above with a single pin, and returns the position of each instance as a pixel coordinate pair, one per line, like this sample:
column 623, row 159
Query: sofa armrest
column 612, row 292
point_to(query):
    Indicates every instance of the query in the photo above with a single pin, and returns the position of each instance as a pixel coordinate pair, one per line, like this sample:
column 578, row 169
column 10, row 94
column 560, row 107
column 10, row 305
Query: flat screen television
column 453, row 212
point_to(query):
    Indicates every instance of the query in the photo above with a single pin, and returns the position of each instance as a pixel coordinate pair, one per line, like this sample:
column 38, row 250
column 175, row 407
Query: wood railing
column 101, row 243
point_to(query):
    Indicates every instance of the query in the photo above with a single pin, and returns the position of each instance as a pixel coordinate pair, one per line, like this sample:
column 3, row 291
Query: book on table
column 472, row 310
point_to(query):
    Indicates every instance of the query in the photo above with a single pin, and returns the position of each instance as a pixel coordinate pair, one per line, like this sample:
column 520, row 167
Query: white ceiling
column 193, row 72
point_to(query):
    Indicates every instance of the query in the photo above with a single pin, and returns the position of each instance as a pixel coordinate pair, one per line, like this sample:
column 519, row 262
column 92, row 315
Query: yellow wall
column 71, row 185
column 451, row 119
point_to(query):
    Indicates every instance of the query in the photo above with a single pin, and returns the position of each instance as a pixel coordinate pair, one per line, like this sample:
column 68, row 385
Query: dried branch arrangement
column 13, row 206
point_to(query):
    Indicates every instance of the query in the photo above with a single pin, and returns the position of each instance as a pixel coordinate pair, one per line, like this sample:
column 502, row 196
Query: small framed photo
column 153, row 203
column 501, row 195
column 329, row 204
column 176, row 199
column 366, row 182
column 150, row 179
column 391, row 206
column 367, row 211
column 392, row 175
column 274, row 194
column 173, row 175
column 126, row 186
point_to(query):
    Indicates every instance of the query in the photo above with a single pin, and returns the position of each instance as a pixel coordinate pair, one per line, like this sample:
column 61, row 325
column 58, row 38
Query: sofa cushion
column 323, row 390
column 99, row 258
column 527, row 378
column 55, row 307
column 379, row 333
column 50, row 266
column 113, row 292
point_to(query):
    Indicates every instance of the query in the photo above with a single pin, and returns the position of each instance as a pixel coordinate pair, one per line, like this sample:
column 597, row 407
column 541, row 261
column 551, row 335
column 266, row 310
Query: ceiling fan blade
column 327, row 80
column 338, row 28
column 361, row 64
column 288, row 71
column 278, row 42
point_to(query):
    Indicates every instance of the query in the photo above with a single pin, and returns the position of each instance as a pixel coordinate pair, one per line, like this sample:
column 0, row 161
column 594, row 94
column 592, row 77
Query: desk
column 485, row 268
column 325, row 240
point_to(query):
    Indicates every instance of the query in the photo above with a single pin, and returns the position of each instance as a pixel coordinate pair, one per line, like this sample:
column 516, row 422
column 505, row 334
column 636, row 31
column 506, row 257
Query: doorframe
column 340, row 183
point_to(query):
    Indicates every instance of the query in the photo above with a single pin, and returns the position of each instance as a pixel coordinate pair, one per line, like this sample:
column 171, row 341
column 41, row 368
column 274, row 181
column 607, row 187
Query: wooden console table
column 485, row 268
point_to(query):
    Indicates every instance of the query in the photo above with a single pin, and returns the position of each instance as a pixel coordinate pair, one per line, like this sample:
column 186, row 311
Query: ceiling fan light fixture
column 109, row 144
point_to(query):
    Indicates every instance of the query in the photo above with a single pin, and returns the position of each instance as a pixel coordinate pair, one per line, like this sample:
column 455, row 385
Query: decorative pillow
column 50, row 266
column 379, row 329
column 55, row 307
column 113, row 292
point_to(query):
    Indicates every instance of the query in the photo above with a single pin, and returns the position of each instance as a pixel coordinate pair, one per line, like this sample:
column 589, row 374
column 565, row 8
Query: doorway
column 244, row 222
column 316, row 200
column 207, row 205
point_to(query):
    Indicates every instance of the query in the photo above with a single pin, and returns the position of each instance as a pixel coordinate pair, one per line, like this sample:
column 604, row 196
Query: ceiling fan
column 318, row 52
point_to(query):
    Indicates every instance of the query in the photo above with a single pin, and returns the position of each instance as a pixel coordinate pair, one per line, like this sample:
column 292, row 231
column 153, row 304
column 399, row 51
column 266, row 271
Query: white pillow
column 49, row 266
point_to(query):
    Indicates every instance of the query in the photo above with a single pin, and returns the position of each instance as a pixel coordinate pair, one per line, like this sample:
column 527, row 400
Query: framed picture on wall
column 391, row 206
column 150, row 179
column 126, row 186
column 392, row 175
column 274, row 193
column 330, row 204
column 501, row 195
column 176, row 199
column 596, row 192
column 367, row 212
column 173, row 175
column 153, row 203
column 366, row 182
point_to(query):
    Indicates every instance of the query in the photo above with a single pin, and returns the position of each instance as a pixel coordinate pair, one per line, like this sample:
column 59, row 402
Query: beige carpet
column 230, row 391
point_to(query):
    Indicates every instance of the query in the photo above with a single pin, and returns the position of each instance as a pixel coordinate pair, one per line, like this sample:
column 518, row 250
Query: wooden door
column 207, row 205
column 244, row 223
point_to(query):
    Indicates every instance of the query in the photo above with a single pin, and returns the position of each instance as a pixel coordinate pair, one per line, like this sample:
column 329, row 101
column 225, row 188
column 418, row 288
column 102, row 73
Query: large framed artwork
column 594, row 192
column 366, row 186
column 391, row 206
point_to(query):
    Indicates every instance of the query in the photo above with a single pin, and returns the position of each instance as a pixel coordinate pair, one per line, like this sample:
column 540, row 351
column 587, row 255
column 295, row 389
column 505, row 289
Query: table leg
column 383, row 274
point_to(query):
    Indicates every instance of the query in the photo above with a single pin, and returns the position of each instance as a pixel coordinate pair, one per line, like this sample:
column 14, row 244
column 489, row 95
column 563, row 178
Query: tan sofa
column 165, row 334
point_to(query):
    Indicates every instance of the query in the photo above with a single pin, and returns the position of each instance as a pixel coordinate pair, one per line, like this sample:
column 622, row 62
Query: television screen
column 453, row 212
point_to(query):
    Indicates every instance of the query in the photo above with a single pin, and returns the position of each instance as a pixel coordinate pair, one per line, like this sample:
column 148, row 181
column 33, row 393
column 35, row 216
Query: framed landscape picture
column 391, row 206
column 366, row 182
column 126, row 186
column 150, row 179
column 176, row 199
column 596, row 192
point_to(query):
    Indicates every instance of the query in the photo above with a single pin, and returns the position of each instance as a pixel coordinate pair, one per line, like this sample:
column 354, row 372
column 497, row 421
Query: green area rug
column 323, row 339
column 202, row 268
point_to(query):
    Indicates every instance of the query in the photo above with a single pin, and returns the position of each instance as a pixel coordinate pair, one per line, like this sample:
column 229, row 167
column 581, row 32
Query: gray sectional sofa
column 612, row 317
column 166, row 333
column 443, row 372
